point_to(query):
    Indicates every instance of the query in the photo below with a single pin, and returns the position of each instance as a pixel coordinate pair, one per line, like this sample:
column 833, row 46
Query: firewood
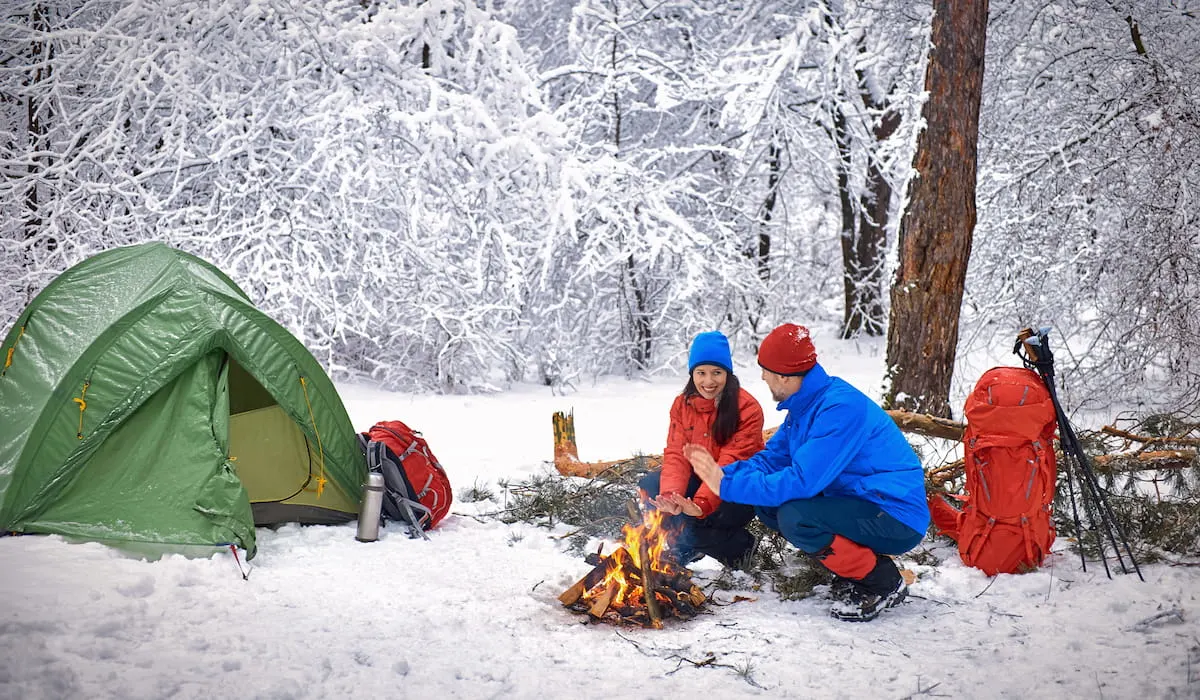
column 648, row 587
column 622, row 559
column 573, row 593
column 680, row 601
column 676, row 580
column 630, row 572
column 635, row 515
column 589, row 581
column 603, row 600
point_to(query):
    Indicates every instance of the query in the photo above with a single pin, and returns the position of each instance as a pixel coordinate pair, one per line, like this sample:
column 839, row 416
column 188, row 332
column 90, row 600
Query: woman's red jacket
column 691, row 421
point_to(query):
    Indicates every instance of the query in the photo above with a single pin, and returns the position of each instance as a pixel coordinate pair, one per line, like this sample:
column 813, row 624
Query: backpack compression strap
column 393, row 477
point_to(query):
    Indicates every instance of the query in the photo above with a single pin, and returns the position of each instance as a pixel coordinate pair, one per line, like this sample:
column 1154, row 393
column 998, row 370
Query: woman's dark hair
column 726, row 422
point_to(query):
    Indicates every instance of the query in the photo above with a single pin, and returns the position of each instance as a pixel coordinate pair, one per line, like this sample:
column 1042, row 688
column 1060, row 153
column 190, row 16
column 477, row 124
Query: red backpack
column 416, row 488
column 1006, row 524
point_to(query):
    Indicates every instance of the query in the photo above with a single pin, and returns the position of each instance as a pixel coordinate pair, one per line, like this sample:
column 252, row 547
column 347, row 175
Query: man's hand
column 674, row 504
column 705, row 466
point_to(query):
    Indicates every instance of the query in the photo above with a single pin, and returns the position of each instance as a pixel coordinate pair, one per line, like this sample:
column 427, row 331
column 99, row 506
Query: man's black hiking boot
column 840, row 588
column 879, row 590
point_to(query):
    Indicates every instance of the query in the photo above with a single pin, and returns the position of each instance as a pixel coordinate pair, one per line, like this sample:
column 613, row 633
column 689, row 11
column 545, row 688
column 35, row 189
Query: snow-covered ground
column 473, row 612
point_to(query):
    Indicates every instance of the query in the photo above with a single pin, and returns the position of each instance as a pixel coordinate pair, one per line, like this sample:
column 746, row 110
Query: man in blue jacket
column 838, row 479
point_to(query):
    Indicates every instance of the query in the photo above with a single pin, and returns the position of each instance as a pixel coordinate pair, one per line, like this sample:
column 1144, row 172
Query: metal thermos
column 368, row 513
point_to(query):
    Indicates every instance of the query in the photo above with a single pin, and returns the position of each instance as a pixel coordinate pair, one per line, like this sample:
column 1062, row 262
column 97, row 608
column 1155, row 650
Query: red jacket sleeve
column 746, row 441
column 676, row 470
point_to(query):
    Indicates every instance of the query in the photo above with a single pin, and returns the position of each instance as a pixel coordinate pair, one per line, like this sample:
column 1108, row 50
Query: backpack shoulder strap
column 397, row 488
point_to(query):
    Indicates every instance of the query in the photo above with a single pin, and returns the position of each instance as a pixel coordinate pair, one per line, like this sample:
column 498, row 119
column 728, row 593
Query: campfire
column 640, row 583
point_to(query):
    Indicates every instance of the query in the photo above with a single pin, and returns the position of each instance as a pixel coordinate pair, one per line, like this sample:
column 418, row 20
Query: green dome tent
column 145, row 403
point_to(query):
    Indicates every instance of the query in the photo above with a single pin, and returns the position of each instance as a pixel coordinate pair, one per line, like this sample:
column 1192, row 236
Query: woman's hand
column 705, row 467
column 666, row 503
column 674, row 504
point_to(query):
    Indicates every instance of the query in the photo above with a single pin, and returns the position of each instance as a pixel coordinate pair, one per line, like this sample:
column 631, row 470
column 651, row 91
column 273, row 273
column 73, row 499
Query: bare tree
column 864, row 223
column 870, row 68
column 1089, row 174
column 935, row 233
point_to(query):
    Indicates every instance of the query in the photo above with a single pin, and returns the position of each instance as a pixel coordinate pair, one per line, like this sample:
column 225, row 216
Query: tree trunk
column 637, row 314
column 850, row 270
column 935, row 233
column 872, row 229
column 37, row 113
column 863, row 244
column 775, row 169
column 759, row 249
column 639, row 319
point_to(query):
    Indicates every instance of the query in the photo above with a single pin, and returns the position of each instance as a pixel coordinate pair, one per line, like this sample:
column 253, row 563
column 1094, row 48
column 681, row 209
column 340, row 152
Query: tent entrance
column 277, row 464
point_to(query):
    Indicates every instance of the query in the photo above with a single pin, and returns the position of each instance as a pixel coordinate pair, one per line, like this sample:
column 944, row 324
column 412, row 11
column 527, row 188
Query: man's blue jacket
column 834, row 442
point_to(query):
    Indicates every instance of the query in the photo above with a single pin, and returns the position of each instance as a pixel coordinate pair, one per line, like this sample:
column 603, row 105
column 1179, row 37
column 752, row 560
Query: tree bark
column 38, row 114
column 762, row 252
column 935, row 233
column 863, row 245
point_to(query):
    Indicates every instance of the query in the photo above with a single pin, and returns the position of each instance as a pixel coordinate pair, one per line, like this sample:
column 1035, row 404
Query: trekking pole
column 1073, row 450
column 1039, row 346
column 1038, row 356
column 1046, row 372
column 1100, row 515
column 1111, row 527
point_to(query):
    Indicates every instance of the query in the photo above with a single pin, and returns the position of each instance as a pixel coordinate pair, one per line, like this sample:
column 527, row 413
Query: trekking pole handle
column 1023, row 339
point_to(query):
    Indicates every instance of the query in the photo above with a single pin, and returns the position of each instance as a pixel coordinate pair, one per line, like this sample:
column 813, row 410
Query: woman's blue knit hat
column 710, row 348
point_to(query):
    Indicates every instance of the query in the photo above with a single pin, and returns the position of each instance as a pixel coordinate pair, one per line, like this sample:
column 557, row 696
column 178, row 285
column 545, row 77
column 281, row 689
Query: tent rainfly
column 147, row 404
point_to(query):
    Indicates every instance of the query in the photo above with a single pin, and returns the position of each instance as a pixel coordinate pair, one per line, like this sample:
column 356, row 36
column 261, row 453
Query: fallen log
column 1120, row 463
column 938, row 476
column 567, row 462
column 1144, row 461
column 927, row 425
column 1149, row 439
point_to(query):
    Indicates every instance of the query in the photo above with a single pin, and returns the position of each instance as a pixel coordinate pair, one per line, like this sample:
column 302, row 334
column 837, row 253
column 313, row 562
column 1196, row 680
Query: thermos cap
column 374, row 481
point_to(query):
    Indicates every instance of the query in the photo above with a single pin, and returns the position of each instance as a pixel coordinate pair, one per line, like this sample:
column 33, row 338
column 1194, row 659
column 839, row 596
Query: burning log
column 639, row 583
column 600, row 604
column 587, row 583
column 649, row 590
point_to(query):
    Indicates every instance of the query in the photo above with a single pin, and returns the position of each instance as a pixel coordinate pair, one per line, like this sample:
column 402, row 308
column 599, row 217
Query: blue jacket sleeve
column 805, row 467
column 772, row 457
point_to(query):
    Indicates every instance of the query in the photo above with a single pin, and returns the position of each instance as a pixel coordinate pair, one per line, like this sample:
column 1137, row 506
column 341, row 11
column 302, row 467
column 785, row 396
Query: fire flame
column 640, row 583
column 646, row 542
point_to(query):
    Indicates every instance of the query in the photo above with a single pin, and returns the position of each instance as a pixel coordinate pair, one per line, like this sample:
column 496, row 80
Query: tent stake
column 245, row 572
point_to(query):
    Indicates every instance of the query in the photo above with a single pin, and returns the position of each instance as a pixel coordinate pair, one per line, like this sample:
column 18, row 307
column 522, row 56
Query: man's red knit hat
column 787, row 350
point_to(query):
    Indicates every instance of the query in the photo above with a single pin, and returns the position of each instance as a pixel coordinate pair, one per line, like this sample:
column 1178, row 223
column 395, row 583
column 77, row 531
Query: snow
column 472, row 613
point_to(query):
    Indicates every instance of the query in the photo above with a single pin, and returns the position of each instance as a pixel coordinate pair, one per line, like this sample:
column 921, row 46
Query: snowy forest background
column 454, row 195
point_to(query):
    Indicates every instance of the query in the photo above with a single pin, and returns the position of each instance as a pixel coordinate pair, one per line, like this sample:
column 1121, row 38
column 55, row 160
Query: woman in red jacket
column 716, row 413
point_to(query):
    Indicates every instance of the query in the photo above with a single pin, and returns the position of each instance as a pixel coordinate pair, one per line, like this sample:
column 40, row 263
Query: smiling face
column 709, row 380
